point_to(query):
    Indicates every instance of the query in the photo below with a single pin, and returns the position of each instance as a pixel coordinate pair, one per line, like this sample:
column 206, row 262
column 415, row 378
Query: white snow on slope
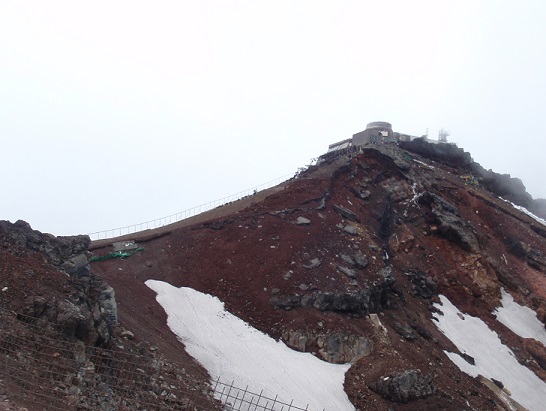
column 493, row 359
column 525, row 211
column 232, row 350
column 520, row 319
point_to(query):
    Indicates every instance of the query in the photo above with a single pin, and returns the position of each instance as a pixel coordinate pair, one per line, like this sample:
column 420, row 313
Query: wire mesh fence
column 42, row 370
column 49, row 373
column 238, row 399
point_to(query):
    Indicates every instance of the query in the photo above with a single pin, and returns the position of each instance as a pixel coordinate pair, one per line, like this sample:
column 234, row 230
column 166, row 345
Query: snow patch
column 413, row 202
column 424, row 164
column 492, row 358
column 520, row 319
column 525, row 211
column 232, row 350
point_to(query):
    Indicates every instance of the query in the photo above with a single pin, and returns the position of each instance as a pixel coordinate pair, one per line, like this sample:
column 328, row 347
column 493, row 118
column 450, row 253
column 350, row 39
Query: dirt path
column 220, row 211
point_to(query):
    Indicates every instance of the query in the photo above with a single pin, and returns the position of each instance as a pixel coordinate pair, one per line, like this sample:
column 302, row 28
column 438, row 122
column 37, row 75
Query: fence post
column 230, row 388
column 236, row 398
column 259, row 400
column 250, row 404
column 216, row 385
column 274, row 401
column 243, row 397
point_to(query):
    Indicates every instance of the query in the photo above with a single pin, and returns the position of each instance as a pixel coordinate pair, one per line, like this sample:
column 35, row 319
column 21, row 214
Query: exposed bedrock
column 535, row 258
column 404, row 386
column 58, row 249
column 337, row 348
column 449, row 222
column 537, row 351
column 443, row 153
column 89, row 311
column 502, row 185
column 357, row 303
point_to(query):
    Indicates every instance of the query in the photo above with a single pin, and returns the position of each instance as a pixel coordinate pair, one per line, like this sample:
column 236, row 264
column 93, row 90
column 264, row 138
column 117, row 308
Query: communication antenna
column 443, row 135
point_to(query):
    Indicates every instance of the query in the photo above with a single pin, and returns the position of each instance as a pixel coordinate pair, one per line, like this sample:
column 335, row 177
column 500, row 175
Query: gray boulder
column 405, row 386
column 361, row 260
column 351, row 229
column 348, row 214
column 303, row 221
column 348, row 259
column 77, row 266
column 347, row 271
column 314, row 263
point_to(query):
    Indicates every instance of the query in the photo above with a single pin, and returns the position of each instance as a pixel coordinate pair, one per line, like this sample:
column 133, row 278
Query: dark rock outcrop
column 336, row 348
column 404, row 330
column 405, row 386
column 535, row 258
column 89, row 311
column 448, row 154
column 348, row 214
column 450, row 224
column 504, row 275
column 58, row 249
column 423, row 285
column 503, row 185
column 358, row 303
column 89, row 314
column 218, row 224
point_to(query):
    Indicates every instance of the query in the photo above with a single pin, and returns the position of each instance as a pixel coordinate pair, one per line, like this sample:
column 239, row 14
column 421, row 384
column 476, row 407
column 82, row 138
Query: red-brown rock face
column 346, row 261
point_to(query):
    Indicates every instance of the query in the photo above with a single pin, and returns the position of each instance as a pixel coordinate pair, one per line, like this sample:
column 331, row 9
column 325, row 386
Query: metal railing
column 174, row 218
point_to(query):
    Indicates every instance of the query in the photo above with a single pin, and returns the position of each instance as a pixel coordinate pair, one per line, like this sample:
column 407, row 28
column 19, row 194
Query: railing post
column 244, row 396
column 186, row 213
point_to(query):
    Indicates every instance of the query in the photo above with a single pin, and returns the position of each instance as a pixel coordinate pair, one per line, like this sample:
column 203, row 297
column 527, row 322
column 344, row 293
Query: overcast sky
column 118, row 112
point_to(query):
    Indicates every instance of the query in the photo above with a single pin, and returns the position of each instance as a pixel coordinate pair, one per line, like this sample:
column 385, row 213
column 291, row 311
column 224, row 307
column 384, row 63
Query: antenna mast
column 443, row 135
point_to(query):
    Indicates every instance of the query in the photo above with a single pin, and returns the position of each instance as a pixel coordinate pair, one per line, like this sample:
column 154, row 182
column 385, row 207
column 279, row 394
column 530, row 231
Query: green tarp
column 115, row 254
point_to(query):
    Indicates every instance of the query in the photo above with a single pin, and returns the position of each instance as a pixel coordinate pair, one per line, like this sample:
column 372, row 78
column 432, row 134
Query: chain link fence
column 42, row 370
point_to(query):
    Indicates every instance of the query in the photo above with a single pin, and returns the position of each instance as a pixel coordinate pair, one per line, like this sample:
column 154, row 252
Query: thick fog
column 114, row 113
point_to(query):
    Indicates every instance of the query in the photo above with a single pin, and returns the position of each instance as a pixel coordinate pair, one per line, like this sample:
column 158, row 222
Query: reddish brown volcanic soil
column 268, row 255
column 241, row 254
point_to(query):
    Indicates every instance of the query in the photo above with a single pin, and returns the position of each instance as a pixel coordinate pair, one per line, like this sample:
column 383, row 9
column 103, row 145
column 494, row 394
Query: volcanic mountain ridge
column 348, row 261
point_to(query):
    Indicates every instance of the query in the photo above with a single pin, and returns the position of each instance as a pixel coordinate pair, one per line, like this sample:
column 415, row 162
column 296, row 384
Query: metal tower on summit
column 443, row 135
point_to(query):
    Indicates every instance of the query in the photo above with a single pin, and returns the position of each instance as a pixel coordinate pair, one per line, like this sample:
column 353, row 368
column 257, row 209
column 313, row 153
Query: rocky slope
column 61, row 346
column 347, row 261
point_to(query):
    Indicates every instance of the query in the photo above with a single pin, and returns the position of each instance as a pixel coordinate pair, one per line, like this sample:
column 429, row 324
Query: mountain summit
column 412, row 273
